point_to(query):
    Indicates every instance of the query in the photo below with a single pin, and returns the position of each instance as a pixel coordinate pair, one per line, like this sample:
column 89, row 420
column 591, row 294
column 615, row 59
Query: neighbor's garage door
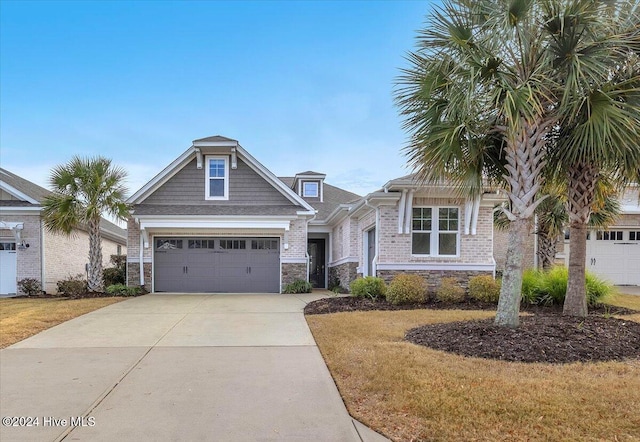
column 615, row 255
column 217, row 265
column 8, row 266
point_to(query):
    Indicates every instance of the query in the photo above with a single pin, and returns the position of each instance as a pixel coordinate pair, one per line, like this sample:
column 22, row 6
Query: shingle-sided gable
column 187, row 187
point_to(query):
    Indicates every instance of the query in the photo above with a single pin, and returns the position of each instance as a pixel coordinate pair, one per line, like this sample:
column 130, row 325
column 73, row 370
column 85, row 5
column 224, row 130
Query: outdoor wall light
column 23, row 245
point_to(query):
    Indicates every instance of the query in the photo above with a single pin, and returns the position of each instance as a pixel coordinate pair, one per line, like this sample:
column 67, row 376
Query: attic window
column 217, row 178
column 310, row 189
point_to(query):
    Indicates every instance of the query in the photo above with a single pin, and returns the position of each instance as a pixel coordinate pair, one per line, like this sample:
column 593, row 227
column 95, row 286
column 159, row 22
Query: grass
column 628, row 301
column 409, row 392
column 21, row 318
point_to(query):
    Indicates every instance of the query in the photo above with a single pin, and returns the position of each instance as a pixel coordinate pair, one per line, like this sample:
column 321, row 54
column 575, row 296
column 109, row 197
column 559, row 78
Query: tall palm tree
column 83, row 190
column 491, row 67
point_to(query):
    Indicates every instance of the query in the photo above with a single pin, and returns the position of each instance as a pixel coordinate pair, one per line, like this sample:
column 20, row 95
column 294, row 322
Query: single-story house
column 29, row 250
column 217, row 220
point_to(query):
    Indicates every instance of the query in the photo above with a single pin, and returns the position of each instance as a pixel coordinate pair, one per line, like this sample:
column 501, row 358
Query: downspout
column 141, row 260
column 374, row 261
column 43, row 272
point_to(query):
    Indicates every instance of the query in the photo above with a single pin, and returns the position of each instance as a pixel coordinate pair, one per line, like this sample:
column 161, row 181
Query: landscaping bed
column 545, row 335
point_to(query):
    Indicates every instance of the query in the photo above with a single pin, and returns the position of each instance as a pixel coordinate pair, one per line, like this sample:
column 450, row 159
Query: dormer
column 309, row 185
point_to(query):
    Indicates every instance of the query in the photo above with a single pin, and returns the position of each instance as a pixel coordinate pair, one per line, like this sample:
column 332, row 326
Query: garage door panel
column 225, row 265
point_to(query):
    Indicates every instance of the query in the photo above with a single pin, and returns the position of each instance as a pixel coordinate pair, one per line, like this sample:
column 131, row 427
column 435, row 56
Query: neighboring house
column 29, row 250
column 612, row 254
column 216, row 220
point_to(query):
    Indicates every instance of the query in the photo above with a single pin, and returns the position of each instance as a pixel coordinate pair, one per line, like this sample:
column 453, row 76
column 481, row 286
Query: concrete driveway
column 176, row 367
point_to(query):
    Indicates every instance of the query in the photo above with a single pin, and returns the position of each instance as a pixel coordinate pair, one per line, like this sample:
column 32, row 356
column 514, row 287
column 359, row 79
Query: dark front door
column 315, row 248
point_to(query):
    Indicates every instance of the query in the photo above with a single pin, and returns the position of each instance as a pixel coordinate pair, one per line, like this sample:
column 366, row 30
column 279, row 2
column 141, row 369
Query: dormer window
column 310, row 189
column 217, row 178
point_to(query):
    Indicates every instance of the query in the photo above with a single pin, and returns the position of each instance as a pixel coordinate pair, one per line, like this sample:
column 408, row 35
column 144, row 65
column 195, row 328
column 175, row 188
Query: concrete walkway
column 177, row 367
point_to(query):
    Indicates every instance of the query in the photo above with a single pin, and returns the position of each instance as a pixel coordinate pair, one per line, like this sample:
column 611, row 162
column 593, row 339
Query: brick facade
column 64, row 255
column 292, row 271
column 345, row 272
column 500, row 242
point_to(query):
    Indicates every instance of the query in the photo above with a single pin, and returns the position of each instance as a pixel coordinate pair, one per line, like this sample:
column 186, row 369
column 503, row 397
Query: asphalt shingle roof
column 30, row 189
column 332, row 197
column 38, row 193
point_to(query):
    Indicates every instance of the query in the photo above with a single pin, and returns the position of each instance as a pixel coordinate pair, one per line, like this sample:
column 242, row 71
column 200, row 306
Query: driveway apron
column 173, row 368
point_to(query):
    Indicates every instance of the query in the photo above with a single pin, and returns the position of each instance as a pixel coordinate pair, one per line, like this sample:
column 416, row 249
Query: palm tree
column 83, row 190
column 492, row 67
column 600, row 136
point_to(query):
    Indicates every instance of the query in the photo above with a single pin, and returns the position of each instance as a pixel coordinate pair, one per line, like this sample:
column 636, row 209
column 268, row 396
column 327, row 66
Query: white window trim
column 304, row 193
column 435, row 231
column 225, row 197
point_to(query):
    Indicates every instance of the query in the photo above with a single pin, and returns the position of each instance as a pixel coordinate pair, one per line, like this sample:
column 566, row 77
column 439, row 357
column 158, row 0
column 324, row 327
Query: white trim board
column 436, row 266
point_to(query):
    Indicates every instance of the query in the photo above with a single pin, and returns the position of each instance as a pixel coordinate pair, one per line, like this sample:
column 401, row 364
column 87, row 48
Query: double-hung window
column 217, row 184
column 435, row 231
column 310, row 189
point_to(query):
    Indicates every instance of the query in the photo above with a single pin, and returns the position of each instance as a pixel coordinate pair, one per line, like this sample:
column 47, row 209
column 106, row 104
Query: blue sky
column 302, row 85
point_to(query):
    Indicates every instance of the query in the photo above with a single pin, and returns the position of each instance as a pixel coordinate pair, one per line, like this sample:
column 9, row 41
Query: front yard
column 410, row 392
column 24, row 317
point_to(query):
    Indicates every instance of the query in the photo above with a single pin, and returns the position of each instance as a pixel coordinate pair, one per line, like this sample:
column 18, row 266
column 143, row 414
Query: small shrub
column 549, row 288
column 298, row 286
column 73, row 286
column 116, row 274
column 406, row 289
column 484, row 288
column 369, row 286
column 123, row 290
column 335, row 285
column 531, row 286
column 30, row 286
column 450, row 291
column 598, row 290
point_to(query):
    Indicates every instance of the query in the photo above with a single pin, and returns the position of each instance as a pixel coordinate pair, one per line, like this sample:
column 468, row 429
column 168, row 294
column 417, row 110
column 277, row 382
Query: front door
column 371, row 250
column 315, row 248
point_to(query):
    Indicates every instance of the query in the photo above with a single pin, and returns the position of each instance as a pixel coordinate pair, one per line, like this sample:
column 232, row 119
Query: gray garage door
column 217, row 265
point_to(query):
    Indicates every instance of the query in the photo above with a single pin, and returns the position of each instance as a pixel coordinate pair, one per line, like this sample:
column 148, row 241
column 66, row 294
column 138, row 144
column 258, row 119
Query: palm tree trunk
column 546, row 249
column 582, row 191
column 524, row 156
column 511, row 290
column 94, row 277
column 575, row 301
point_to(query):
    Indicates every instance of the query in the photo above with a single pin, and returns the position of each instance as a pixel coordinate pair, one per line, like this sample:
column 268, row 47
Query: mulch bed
column 353, row 304
column 545, row 336
column 540, row 338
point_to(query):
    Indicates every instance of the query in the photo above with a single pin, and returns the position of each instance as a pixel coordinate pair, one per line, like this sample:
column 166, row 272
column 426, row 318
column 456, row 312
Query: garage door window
column 609, row 235
column 7, row 246
column 168, row 244
column 201, row 244
column 233, row 244
column 634, row 236
column 264, row 244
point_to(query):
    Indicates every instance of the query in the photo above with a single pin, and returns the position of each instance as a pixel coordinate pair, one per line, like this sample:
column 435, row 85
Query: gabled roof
column 333, row 197
column 217, row 141
column 311, row 173
column 26, row 190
